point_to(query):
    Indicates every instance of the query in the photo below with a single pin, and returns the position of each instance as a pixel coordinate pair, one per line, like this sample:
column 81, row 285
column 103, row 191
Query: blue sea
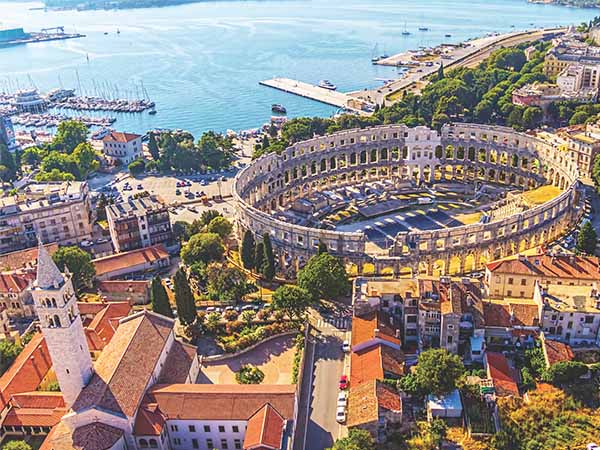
column 201, row 63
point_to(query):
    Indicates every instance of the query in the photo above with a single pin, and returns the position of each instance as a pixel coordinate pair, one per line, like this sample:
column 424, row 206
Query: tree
column 69, row 135
column 79, row 263
column 16, row 445
column 7, row 160
column 259, row 253
column 586, row 241
column 181, row 230
column 221, row 226
column 322, row 248
column 292, row 300
column 85, row 159
column 247, row 251
column 137, row 167
column 437, row 370
column 440, row 72
column 205, row 247
column 564, row 372
column 357, row 439
column 9, row 350
column 207, row 216
column 532, row 117
column 184, row 298
column 248, row 316
column 153, row 147
column 227, row 284
column 268, row 266
column 159, row 298
column 324, row 276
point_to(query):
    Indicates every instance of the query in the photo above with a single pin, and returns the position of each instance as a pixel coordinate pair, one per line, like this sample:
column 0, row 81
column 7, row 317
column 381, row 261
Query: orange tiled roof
column 501, row 374
column 122, row 286
column 264, row 429
column 510, row 314
column 125, row 366
column 104, row 324
column 371, row 325
column 38, row 399
column 222, row 401
column 149, row 421
column 27, row 371
column 372, row 363
column 117, row 136
column 15, row 283
column 133, row 258
column 556, row 351
column 178, row 363
column 23, row 258
column 558, row 266
column 366, row 400
column 33, row 417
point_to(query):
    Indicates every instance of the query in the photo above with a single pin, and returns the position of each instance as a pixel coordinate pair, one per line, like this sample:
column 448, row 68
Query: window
column 570, row 324
column 449, row 339
column 209, row 443
column 143, row 443
column 510, row 281
column 523, row 282
column 221, row 428
column 192, row 428
column 153, row 443
column 177, row 441
column 589, row 319
column 235, row 429
column 174, row 428
column 207, row 428
column 195, row 443
column 237, row 444
column 224, row 444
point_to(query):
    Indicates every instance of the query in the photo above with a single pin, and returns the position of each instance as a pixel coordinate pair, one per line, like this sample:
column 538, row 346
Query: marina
column 18, row 36
column 320, row 94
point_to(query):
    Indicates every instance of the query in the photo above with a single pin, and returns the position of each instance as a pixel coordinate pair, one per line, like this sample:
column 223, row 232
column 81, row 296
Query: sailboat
column 384, row 55
column 374, row 57
column 405, row 32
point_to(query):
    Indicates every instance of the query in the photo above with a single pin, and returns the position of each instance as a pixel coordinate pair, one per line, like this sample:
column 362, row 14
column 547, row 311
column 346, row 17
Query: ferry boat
column 326, row 84
column 276, row 108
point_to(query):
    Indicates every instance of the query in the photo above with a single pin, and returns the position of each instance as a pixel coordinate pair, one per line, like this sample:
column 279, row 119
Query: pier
column 319, row 94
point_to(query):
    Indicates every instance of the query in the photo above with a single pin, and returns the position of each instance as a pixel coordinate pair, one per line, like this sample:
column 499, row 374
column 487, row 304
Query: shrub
column 230, row 314
column 249, row 375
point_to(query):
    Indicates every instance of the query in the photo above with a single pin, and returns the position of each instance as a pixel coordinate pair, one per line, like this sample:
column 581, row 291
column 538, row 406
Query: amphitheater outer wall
column 463, row 152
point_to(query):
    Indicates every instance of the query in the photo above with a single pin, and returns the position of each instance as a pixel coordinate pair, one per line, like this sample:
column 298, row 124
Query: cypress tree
column 322, row 248
column 268, row 267
column 259, row 255
column 440, row 72
column 184, row 299
column 153, row 147
column 248, row 249
column 159, row 298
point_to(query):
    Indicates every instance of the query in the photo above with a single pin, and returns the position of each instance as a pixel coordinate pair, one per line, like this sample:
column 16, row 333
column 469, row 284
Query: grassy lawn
column 541, row 195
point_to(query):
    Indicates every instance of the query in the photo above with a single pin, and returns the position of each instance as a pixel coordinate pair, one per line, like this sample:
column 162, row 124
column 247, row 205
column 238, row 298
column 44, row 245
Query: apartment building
column 569, row 314
column 567, row 51
column 55, row 212
column 121, row 148
column 15, row 297
column 139, row 222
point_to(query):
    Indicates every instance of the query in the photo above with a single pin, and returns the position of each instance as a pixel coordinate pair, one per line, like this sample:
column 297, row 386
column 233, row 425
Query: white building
column 122, row 148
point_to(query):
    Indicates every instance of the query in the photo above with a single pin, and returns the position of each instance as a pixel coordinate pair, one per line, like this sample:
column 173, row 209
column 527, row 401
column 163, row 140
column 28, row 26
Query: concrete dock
column 317, row 93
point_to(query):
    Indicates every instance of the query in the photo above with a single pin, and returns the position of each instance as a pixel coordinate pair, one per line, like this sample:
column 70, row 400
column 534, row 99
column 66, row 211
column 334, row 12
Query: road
column 469, row 56
column 320, row 389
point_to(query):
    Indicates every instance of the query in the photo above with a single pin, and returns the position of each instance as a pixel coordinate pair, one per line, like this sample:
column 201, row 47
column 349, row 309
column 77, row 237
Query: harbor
column 17, row 36
column 320, row 94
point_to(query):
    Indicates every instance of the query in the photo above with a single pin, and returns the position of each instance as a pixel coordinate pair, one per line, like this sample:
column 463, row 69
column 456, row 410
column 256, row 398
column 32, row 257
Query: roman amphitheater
column 399, row 200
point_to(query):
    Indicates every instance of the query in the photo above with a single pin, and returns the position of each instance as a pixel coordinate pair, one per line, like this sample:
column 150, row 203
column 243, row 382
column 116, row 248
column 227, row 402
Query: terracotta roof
column 96, row 436
column 501, row 374
column 125, row 366
column 117, row 136
column 264, row 429
column 366, row 400
column 38, row 399
column 558, row 266
column 104, row 324
column 33, row 417
column 90, row 308
column 120, row 261
column 15, row 283
column 27, row 371
column 222, row 401
column 496, row 314
column 556, row 351
column 372, row 363
column 24, row 258
column 178, row 363
column 510, row 314
column 122, row 286
column 149, row 421
column 525, row 314
column 373, row 325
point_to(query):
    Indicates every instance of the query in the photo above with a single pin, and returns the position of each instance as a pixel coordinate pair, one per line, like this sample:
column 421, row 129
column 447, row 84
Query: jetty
column 319, row 94
column 17, row 36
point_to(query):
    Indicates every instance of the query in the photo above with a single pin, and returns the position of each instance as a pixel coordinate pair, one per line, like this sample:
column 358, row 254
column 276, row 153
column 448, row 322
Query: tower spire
column 48, row 274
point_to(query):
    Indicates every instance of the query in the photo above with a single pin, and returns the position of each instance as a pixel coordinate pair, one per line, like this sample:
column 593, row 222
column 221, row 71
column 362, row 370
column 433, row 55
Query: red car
column 344, row 382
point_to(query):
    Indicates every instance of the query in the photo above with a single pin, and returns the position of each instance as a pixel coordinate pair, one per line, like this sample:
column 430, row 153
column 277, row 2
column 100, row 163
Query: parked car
column 140, row 187
column 343, row 382
column 342, row 400
column 177, row 192
column 346, row 347
column 340, row 415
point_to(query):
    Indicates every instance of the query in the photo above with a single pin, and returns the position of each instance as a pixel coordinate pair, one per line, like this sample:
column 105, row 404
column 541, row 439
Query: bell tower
column 56, row 307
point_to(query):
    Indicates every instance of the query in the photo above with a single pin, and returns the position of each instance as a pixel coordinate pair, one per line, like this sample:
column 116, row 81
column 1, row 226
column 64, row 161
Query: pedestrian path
column 341, row 323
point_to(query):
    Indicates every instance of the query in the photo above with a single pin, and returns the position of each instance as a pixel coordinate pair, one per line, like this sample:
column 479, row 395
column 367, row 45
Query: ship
column 423, row 29
column 326, row 84
column 276, row 108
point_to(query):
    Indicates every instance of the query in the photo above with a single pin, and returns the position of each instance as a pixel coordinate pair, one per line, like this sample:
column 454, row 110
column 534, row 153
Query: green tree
column 586, row 241
column 247, row 251
column 259, row 256
column 227, row 284
column 159, row 298
column 205, row 247
column 578, row 118
column 564, row 372
column 357, row 439
column 440, row 72
column 153, row 147
column 268, row 266
column 532, row 117
column 9, row 350
column 69, row 135
column 207, row 216
column 136, row 167
column 325, row 277
column 184, row 298
column 437, row 371
column 54, row 175
column 79, row 263
column 86, row 159
column 221, row 226
column 292, row 300
column 16, row 445
column 7, row 160
column 181, row 230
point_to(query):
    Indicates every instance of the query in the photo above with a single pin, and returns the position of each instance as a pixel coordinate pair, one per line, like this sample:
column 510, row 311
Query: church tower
column 56, row 307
